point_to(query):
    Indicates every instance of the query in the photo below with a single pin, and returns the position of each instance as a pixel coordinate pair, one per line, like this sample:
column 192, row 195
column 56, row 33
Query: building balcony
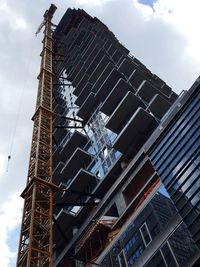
column 64, row 220
column 88, row 39
column 126, row 108
column 81, row 85
column 115, row 96
column 97, row 57
column 86, row 108
column 59, row 134
column 116, row 56
column 99, row 69
column 77, row 59
column 76, row 140
column 136, row 132
column 102, row 77
column 127, row 67
column 147, row 91
column 136, row 78
column 79, row 76
column 108, row 85
column 112, row 49
column 59, row 109
column 74, row 70
column 93, row 55
column 78, row 160
column 159, row 106
column 91, row 47
column 57, row 173
column 107, row 44
column 83, row 95
column 80, row 182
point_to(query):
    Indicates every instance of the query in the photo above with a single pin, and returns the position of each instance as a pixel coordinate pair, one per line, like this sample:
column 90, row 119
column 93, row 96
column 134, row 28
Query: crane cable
column 13, row 134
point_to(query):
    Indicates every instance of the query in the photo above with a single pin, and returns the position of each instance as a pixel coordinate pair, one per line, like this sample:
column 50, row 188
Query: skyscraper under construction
column 115, row 211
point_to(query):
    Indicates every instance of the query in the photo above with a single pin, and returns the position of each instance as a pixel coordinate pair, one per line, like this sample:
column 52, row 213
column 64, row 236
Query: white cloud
column 10, row 217
column 184, row 16
column 92, row 2
column 2, row 164
column 9, row 16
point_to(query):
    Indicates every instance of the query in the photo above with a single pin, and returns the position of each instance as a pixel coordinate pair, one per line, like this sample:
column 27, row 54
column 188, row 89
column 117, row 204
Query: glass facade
column 176, row 159
column 142, row 233
column 99, row 139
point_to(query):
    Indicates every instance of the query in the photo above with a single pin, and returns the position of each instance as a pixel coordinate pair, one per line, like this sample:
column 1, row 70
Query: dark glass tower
column 175, row 156
column 108, row 104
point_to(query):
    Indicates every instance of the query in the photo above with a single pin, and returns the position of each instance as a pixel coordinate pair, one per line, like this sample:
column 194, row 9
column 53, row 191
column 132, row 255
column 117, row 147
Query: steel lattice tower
column 35, row 246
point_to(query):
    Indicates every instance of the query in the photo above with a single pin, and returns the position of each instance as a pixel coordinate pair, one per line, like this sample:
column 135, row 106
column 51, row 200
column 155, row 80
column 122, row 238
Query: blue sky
column 147, row 2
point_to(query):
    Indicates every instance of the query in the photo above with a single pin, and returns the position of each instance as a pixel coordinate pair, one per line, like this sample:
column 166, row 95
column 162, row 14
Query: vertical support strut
column 35, row 245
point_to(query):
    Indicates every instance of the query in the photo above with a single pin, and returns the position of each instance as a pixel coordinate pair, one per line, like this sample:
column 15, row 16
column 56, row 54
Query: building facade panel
column 176, row 157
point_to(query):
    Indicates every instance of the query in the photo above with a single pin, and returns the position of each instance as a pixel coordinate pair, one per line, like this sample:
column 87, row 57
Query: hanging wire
column 18, row 113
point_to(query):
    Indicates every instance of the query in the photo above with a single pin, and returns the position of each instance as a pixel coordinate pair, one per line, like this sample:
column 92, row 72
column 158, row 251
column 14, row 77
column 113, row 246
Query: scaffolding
column 95, row 239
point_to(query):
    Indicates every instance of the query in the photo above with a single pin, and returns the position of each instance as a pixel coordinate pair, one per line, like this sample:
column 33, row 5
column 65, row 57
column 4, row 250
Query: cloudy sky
column 163, row 34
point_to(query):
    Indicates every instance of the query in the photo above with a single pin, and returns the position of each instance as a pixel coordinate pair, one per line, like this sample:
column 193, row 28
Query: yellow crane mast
column 35, row 245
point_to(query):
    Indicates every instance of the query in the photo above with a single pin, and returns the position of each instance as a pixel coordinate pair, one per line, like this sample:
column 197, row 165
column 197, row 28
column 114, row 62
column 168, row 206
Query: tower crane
column 35, row 244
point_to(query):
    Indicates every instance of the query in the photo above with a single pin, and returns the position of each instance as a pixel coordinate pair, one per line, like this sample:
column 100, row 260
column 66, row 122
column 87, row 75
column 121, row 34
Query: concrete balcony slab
column 159, row 106
column 115, row 96
column 102, row 77
column 166, row 89
column 126, row 108
column 81, row 85
column 112, row 50
column 108, row 85
column 83, row 95
column 76, row 140
column 59, row 134
column 86, row 108
column 59, row 109
column 95, row 61
column 116, row 56
column 136, row 78
column 90, row 47
column 72, row 74
column 92, row 56
column 127, row 67
column 147, row 91
column 136, row 131
column 79, row 183
column 78, row 160
column 99, row 69
column 57, row 173
column 64, row 219
column 79, row 76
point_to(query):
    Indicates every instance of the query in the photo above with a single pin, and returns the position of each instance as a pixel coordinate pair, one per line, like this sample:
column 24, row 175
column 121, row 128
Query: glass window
column 180, row 169
column 183, row 118
column 156, row 261
column 136, row 254
column 168, row 256
column 176, row 141
column 145, row 234
column 179, row 160
column 183, row 180
column 180, row 151
column 122, row 259
column 155, row 231
column 129, row 245
column 191, row 217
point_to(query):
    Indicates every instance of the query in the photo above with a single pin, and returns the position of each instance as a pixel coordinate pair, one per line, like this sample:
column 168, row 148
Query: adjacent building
column 108, row 106
column 175, row 156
